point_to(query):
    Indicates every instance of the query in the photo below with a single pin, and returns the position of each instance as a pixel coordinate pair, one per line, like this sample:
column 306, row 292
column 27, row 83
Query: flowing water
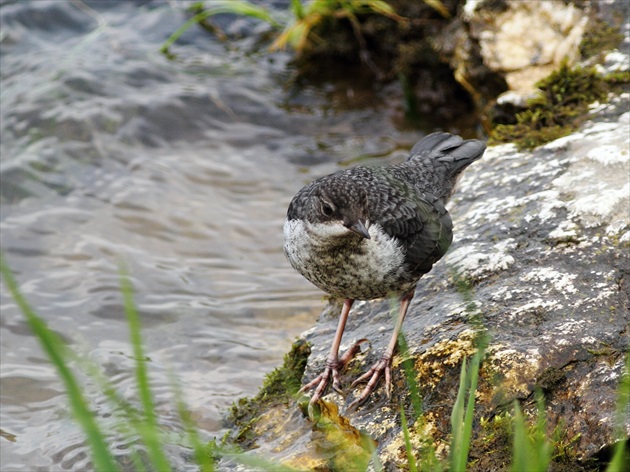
column 180, row 169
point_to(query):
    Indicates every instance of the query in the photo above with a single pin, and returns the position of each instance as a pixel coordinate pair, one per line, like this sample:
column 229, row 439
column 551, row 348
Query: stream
column 181, row 171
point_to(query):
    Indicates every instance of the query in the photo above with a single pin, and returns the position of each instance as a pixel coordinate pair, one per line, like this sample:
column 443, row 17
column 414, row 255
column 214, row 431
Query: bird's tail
column 445, row 156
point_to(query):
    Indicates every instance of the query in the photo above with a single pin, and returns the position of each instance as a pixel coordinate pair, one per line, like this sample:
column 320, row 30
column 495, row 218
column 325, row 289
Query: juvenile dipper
column 370, row 232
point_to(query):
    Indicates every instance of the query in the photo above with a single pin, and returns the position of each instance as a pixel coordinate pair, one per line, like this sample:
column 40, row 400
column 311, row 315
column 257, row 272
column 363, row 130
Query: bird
column 371, row 232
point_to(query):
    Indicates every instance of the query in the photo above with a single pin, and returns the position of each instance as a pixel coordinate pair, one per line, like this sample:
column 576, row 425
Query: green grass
column 410, row 376
column 531, row 450
column 236, row 7
column 56, row 351
column 132, row 422
column 141, row 422
column 411, row 458
column 148, row 428
column 462, row 415
column 532, row 446
column 619, row 461
column 294, row 27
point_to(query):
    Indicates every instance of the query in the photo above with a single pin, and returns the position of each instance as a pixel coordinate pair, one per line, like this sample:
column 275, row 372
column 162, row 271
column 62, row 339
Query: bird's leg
column 333, row 363
column 384, row 364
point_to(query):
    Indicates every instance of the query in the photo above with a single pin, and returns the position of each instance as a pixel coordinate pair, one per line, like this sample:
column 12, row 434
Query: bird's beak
column 360, row 229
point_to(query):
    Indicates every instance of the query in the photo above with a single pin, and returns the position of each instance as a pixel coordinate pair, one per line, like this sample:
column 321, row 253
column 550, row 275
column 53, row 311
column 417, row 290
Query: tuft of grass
column 56, row 351
column 531, row 452
column 295, row 26
column 462, row 414
column 148, row 429
column 131, row 421
column 428, row 460
column 297, row 32
column 217, row 7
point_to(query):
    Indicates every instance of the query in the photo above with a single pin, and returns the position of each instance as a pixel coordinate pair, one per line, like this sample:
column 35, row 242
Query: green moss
column 618, row 78
column 600, row 37
column 559, row 109
column 566, row 457
column 279, row 387
column 492, row 447
column 285, row 381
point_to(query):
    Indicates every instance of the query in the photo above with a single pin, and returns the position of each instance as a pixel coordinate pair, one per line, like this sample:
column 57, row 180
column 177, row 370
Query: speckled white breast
column 345, row 265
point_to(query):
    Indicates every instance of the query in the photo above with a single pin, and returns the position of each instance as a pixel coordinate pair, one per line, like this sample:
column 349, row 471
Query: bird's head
column 339, row 207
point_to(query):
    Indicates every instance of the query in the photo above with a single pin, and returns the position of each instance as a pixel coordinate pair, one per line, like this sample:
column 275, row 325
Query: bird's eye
column 327, row 210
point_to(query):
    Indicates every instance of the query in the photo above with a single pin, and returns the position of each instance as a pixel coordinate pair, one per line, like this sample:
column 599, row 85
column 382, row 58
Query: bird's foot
column 333, row 367
column 372, row 376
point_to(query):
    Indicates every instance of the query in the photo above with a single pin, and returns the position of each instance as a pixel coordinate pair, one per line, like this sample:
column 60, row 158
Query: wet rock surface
column 540, row 261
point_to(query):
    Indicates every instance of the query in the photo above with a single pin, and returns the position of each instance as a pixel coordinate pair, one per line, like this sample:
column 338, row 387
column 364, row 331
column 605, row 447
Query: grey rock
column 543, row 242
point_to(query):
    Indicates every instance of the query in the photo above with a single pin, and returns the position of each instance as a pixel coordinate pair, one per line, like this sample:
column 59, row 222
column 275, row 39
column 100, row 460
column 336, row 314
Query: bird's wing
column 420, row 222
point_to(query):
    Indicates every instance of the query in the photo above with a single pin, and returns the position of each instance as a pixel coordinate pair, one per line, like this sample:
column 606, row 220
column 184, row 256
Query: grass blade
column 203, row 456
column 542, row 446
column 410, row 376
column 438, row 6
column 149, row 431
column 521, row 451
column 457, row 420
column 235, row 7
column 619, row 461
column 381, row 7
column 531, row 450
column 127, row 416
column 55, row 349
column 411, row 460
column 297, row 9
column 462, row 416
column 470, row 407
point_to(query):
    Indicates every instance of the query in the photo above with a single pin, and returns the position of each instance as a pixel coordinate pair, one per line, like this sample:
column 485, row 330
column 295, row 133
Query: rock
column 540, row 262
column 527, row 40
column 522, row 42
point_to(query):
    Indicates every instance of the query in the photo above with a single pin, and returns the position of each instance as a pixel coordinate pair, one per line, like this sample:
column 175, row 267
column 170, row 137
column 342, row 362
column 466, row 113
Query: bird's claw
column 372, row 376
column 333, row 367
column 321, row 381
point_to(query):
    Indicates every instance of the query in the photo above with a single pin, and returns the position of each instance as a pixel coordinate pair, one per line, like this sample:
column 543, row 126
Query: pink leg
column 384, row 364
column 333, row 363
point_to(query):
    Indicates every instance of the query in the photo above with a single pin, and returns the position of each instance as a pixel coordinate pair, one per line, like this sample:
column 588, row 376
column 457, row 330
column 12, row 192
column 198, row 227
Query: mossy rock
column 559, row 109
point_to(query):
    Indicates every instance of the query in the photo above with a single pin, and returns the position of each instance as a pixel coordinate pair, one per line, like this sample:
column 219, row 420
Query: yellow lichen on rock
column 430, row 366
column 518, row 371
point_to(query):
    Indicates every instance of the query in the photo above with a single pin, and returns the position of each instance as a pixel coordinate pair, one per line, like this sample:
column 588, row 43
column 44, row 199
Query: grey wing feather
column 432, row 243
column 420, row 223
column 449, row 149
column 436, row 143
column 432, row 237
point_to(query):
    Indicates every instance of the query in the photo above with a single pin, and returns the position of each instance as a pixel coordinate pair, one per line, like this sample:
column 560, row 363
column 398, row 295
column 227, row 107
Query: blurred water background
column 180, row 168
